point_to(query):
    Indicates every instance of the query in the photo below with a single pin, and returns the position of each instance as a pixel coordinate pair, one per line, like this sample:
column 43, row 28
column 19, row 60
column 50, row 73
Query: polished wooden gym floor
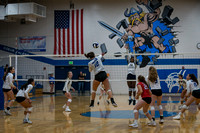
column 49, row 117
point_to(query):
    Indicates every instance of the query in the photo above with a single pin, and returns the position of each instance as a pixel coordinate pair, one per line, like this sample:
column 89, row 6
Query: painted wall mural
column 146, row 32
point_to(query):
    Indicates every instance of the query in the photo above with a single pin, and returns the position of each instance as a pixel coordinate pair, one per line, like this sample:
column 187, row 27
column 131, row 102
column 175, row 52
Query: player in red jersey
column 145, row 93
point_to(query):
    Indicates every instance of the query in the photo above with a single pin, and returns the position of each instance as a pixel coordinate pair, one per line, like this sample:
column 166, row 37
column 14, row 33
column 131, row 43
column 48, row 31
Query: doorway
column 61, row 73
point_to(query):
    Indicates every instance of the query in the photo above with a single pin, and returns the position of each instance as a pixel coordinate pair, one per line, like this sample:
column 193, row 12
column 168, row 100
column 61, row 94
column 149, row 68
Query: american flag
column 68, row 32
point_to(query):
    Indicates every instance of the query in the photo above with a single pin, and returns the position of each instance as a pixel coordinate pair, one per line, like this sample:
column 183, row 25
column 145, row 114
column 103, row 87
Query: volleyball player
column 144, row 103
column 66, row 91
column 96, row 65
column 15, row 82
column 7, row 90
column 102, row 91
column 131, row 84
column 194, row 89
column 23, row 99
column 182, row 84
column 154, row 82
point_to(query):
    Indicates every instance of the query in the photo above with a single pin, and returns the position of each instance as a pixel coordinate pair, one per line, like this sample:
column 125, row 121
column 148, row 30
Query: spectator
column 81, row 83
column 51, row 83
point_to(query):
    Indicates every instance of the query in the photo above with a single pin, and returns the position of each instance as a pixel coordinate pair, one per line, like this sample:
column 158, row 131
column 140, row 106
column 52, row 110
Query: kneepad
column 130, row 89
column 135, row 111
column 69, row 100
column 160, row 107
column 108, row 90
column 30, row 109
column 133, row 89
column 152, row 108
column 93, row 91
column 13, row 100
column 184, row 107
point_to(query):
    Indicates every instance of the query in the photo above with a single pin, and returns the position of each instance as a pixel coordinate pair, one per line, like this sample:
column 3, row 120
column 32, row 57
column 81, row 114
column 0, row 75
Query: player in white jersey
column 23, row 99
column 182, row 84
column 96, row 65
column 154, row 82
column 131, row 76
column 66, row 91
column 7, row 90
column 194, row 89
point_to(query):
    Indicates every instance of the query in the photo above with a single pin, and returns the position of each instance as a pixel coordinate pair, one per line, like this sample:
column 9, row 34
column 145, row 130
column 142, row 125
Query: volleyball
column 95, row 45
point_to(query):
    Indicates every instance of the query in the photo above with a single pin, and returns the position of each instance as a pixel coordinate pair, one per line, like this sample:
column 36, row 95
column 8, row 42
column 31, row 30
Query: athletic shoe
column 130, row 101
column 108, row 102
column 97, row 103
column 91, row 105
column 30, row 122
column 114, row 104
column 177, row 117
column 161, row 121
column 134, row 102
column 24, row 120
column 68, row 110
column 27, row 121
column 7, row 112
column 180, row 107
column 134, row 125
column 64, row 106
column 152, row 123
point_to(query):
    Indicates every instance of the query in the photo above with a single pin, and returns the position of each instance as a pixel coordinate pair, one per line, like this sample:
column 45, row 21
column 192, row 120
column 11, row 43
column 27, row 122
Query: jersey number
column 96, row 64
column 145, row 87
column 195, row 84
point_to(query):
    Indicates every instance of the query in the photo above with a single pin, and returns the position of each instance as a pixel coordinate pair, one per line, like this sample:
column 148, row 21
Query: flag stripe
column 75, row 41
column 77, row 31
column 68, row 41
column 82, row 32
column 55, row 47
column 72, row 31
column 57, row 41
column 64, row 41
column 59, row 44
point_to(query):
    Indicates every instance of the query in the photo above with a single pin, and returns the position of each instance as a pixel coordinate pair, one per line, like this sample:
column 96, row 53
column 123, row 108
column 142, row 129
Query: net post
column 10, row 62
column 15, row 67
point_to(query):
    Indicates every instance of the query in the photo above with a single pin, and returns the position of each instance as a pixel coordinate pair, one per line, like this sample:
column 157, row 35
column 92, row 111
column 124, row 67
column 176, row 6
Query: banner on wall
column 32, row 44
column 169, row 78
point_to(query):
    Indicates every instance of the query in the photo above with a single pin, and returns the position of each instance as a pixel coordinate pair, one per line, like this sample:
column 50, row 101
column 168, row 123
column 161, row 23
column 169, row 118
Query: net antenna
column 16, row 43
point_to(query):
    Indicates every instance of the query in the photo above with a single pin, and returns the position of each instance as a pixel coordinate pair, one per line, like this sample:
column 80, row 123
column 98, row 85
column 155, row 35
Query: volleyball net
column 168, row 65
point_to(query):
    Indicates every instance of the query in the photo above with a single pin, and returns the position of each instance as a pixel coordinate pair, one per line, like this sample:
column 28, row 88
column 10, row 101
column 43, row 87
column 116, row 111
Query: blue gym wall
column 1, row 91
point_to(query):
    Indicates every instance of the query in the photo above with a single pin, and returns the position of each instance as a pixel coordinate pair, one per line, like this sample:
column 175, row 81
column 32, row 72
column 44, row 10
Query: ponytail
column 24, row 86
column 142, row 79
column 193, row 77
column 90, row 55
column 8, row 70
